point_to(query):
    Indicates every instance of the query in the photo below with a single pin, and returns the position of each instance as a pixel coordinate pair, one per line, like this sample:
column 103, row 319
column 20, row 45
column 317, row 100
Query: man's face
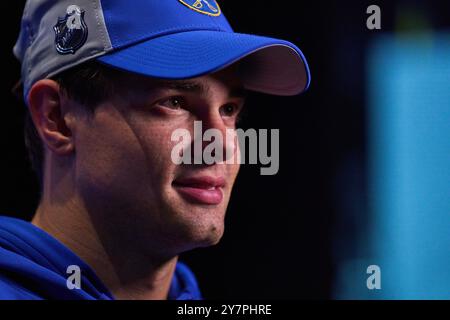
column 124, row 170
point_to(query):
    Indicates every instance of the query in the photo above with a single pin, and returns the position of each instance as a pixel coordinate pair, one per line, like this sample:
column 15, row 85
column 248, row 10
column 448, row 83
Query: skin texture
column 108, row 191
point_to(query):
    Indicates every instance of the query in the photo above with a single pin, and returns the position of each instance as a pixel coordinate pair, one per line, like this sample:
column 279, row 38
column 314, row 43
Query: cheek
column 128, row 160
column 118, row 158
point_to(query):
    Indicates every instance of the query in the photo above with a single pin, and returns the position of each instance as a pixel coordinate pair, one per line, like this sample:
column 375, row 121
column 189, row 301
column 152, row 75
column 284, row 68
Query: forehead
column 228, row 79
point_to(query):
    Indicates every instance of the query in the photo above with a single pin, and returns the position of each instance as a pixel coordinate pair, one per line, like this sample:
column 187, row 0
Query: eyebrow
column 190, row 86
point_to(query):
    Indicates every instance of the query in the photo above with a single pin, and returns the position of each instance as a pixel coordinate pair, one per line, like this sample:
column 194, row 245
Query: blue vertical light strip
column 409, row 116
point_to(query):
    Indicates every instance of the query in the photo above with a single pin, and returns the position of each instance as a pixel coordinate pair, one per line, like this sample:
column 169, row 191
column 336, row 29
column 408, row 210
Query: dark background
column 281, row 231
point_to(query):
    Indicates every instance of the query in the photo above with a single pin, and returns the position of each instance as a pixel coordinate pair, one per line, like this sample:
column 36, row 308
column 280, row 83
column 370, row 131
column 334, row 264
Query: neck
column 126, row 272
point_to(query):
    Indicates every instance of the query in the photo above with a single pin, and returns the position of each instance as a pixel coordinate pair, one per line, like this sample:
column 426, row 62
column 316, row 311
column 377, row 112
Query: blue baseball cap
column 168, row 39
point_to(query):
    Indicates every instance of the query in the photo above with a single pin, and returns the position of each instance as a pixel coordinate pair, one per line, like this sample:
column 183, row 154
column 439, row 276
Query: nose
column 217, row 140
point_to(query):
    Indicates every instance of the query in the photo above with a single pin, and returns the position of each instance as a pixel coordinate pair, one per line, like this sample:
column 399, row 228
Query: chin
column 196, row 225
column 213, row 238
column 201, row 236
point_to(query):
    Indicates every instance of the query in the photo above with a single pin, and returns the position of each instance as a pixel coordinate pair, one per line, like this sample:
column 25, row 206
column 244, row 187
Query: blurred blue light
column 409, row 191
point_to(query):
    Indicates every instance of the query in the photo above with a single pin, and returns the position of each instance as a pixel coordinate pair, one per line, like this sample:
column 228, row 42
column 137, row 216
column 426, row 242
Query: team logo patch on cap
column 71, row 31
column 209, row 7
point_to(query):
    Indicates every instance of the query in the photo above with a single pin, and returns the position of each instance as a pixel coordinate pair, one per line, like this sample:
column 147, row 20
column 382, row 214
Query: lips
column 201, row 190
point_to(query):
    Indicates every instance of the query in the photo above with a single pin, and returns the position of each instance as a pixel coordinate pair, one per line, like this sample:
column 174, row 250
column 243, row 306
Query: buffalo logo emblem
column 208, row 7
column 71, row 31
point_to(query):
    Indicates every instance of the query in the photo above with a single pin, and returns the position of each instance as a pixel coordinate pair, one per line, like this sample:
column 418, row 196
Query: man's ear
column 45, row 103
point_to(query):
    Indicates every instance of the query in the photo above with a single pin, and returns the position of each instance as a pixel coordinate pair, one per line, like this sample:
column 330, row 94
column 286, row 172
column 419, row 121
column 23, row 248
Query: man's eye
column 230, row 110
column 174, row 103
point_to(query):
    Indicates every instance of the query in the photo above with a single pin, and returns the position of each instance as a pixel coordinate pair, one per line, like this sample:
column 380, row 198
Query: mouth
column 201, row 190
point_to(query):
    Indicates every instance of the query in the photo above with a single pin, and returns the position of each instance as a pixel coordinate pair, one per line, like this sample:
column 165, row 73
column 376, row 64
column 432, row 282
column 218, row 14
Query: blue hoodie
column 33, row 265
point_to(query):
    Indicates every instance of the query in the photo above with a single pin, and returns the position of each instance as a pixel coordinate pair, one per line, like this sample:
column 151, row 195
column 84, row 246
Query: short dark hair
column 89, row 84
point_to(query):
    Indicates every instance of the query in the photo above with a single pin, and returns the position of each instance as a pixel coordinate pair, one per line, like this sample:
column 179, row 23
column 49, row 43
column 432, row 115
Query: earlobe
column 46, row 108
